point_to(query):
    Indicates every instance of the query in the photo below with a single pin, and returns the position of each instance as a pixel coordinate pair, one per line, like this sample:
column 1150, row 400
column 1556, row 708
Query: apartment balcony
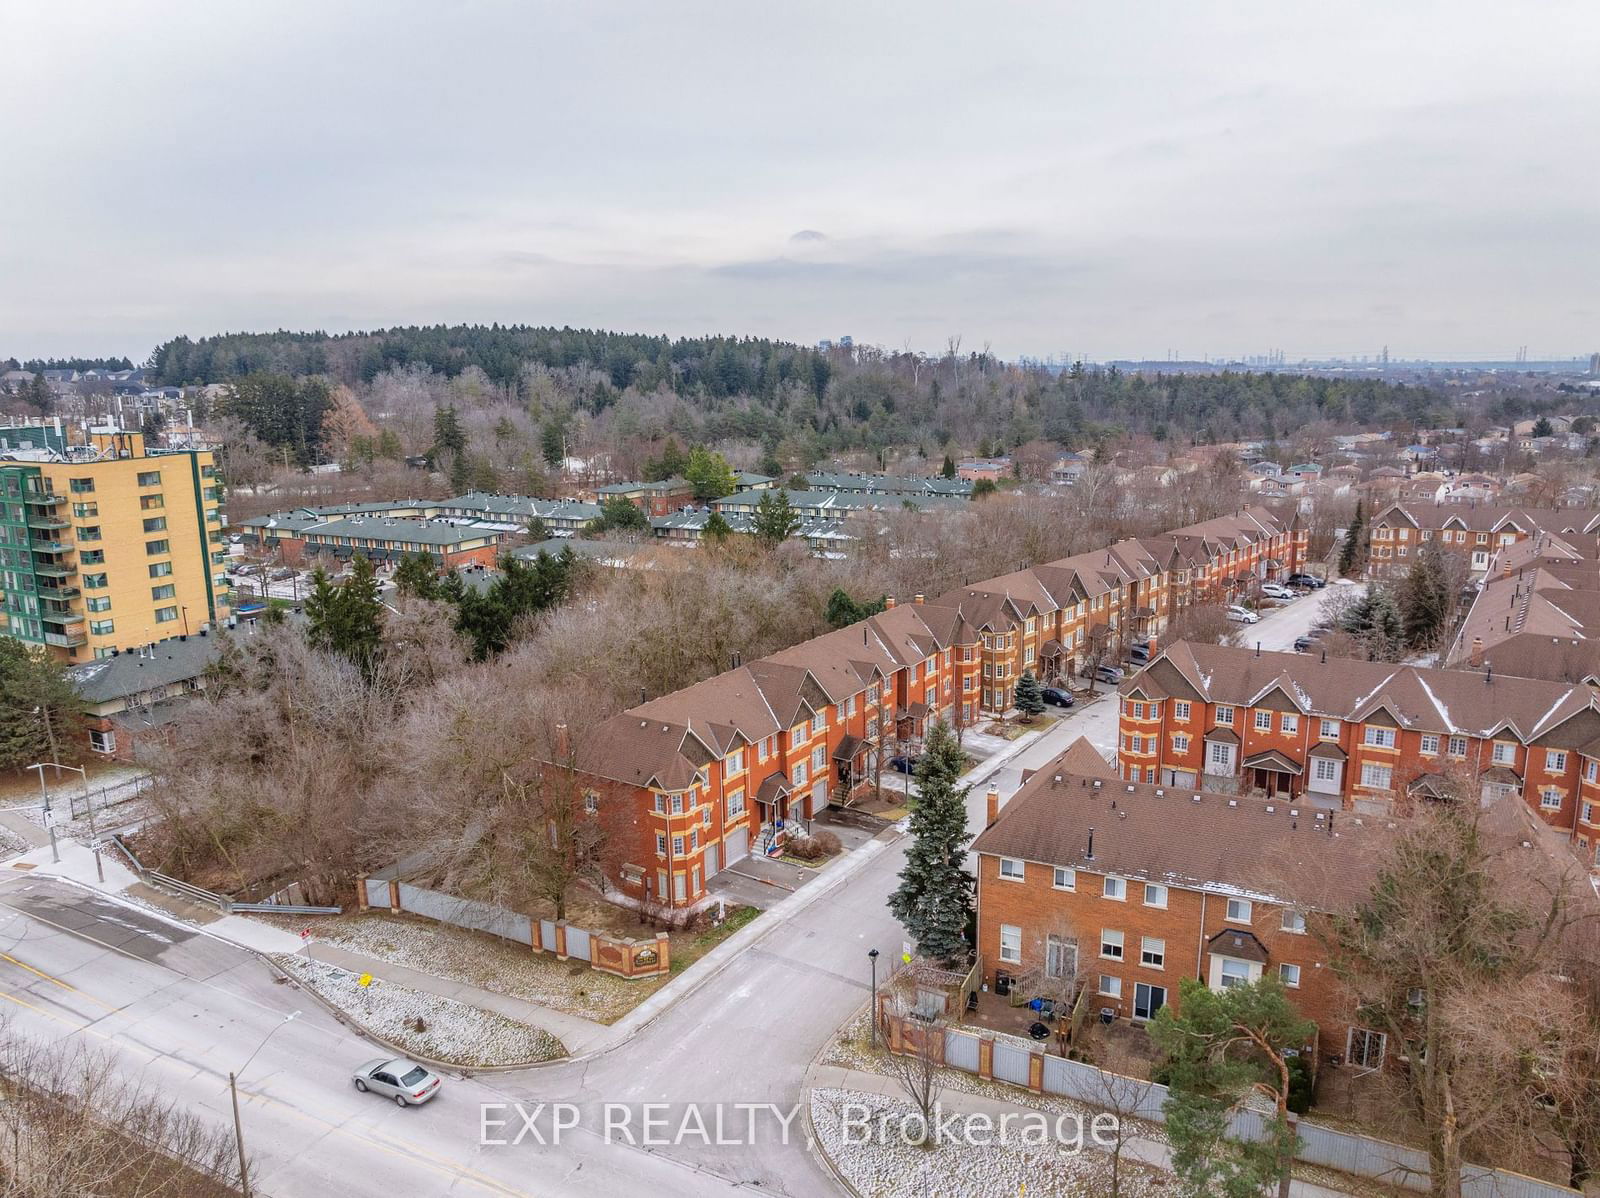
column 47, row 546
column 49, row 523
column 70, row 640
column 55, row 569
column 61, row 593
column 42, row 500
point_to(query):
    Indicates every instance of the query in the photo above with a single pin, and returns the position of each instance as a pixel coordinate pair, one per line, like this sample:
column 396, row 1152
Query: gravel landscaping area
column 11, row 844
column 438, row 1028
column 485, row 961
column 888, row 1167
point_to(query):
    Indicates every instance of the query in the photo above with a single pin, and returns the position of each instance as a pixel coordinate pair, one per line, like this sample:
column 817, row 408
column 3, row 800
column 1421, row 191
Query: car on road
column 1273, row 591
column 1139, row 655
column 906, row 764
column 1302, row 644
column 1057, row 696
column 1242, row 615
column 1109, row 674
column 1307, row 580
column 407, row 1082
column 282, row 575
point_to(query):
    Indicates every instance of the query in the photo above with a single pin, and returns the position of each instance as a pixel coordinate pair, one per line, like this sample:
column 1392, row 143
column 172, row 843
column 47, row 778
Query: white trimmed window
column 1290, row 976
column 1550, row 799
column 735, row 803
column 1505, row 753
column 733, row 763
column 1378, row 737
column 1180, row 709
column 1591, row 770
column 1328, row 730
column 102, row 742
column 1155, row 895
column 1430, row 744
column 1234, row 973
column 1294, row 921
column 1289, row 722
column 1114, row 888
column 1225, row 716
column 1457, row 746
column 1180, row 743
column 1110, row 985
column 1010, row 943
column 1012, row 869
column 1111, row 944
column 1153, row 952
column 1376, row 777
column 1555, row 761
column 1324, row 769
column 1239, row 910
column 1065, row 878
column 1588, row 813
column 1263, row 721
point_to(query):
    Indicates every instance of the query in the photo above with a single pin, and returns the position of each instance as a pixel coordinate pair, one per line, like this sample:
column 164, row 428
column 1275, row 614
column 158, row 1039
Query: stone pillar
column 561, row 940
column 663, row 953
column 361, row 892
column 536, row 935
column 986, row 1056
column 1036, row 1072
column 394, row 896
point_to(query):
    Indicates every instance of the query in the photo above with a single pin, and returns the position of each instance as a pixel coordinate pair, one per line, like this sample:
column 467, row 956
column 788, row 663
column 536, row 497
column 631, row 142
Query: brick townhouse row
column 1117, row 890
column 1340, row 733
column 689, row 783
column 1398, row 532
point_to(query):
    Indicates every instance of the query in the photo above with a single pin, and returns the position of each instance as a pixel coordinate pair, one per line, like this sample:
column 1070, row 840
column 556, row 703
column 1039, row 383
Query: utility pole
column 49, row 816
column 233, row 1093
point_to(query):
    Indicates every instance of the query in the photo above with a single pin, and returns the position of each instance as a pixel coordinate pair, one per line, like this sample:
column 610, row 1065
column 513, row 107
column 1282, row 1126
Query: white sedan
column 1242, row 615
column 395, row 1077
column 1273, row 590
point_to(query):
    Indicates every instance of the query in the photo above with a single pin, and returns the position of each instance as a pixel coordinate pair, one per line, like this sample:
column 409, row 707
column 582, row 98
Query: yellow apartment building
column 105, row 546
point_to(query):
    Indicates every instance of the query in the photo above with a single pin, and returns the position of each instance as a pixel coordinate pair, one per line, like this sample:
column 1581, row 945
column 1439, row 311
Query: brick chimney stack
column 992, row 802
column 563, row 743
column 1475, row 658
column 917, row 598
column 888, row 602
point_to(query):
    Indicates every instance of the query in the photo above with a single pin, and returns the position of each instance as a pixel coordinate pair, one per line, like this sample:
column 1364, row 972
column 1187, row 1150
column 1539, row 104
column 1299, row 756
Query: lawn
column 689, row 947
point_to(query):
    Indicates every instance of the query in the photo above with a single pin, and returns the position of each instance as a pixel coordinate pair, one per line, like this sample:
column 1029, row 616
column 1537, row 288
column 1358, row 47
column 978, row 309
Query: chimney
column 992, row 804
column 1089, row 856
column 917, row 598
column 563, row 742
column 1475, row 658
column 888, row 602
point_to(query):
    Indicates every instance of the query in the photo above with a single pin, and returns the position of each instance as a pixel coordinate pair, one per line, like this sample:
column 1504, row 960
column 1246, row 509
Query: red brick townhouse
column 696, row 780
column 385, row 541
column 1340, row 733
column 1129, row 888
column 693, row 781
column 1398, row 532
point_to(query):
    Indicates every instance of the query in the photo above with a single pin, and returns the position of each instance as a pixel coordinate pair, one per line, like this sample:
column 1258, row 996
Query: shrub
column 814, row 847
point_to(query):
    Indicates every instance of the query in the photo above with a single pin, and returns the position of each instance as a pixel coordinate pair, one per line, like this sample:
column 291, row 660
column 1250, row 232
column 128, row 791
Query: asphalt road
column 181, row 1009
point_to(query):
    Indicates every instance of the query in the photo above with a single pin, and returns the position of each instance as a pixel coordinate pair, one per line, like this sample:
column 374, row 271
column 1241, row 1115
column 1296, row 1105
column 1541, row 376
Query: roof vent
column 1196, row 799
column 1270, row 808
column 1233, row 802
column 1160, row 793
column 1294, row 811
column 1056, row 781
column 1097, row 783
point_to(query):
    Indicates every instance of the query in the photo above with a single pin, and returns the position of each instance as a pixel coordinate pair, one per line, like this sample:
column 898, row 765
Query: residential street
column 182, row 1008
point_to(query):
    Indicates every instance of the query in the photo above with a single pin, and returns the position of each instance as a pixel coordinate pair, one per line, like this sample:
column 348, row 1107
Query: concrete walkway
column 1138, row 1148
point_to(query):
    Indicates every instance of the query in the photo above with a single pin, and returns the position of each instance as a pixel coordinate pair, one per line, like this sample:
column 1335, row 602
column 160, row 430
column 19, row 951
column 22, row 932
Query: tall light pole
column 233, row 1093
column 872, row 955
column 49, row 816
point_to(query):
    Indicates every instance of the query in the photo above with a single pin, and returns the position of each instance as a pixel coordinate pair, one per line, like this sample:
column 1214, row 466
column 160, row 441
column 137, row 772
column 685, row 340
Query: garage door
column 819, row 799
column 711, row 861
column 737, row 843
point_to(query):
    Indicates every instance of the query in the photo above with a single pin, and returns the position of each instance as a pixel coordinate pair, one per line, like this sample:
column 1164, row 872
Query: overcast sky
column 1106, row 179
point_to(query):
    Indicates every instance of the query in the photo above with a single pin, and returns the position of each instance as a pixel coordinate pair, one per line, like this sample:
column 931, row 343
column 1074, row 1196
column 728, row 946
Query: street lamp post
column 49, row 816
column 872, row 955
column 233, row 1093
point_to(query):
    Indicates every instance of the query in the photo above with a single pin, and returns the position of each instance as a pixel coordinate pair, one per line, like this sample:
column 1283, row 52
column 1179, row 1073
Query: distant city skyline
column 1110, row 182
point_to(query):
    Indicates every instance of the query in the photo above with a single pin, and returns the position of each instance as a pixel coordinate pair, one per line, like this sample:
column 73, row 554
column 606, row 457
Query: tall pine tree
column 1354, row 549
column 934, row 898
column 1029, row 696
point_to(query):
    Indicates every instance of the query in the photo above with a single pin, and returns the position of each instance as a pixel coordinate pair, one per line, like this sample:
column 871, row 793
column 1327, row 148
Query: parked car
column 1307, row 580
column 283, row 575
column 408, row 1083
column 906, row 765
column 1109, row 674
column 1242, row 615
column 1057, row 696
column 1273, row 590
column 1303, row 644
column 1140, row 654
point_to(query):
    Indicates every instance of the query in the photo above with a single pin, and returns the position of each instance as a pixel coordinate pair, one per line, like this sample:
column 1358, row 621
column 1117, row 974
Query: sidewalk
column 1138, row 1148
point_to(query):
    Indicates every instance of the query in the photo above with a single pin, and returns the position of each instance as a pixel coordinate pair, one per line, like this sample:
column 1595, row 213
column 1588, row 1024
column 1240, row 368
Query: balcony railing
column 59, row 593
column 55, row 570
column 47, row 522
column 45, row 546
column 68, row 641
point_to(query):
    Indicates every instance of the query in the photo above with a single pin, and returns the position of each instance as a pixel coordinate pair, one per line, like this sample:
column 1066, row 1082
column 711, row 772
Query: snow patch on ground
column 453, row 1032
column 892, row 1168
column 11, row 844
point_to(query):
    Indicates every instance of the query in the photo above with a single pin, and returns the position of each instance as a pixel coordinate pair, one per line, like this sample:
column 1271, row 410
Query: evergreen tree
column 617, row 514
column 948, row 470
column 670, row 464
column 447, row 434
column 1425, row 600
column 709, row 475
column 460, row 473
column 37, row 392
column 40, row 711
column 1226, row 1047
column 417, row 576
column 1353, row 551
column 1375, row 620
column 1542, row 428
column 536, row 529
column 346, row 617
column 770, row 465
column 717, row 529
column 983, row 488
column 552, row 444
column 1029, row 696
column 934, row 898
column 843, row 610
column 775, row 519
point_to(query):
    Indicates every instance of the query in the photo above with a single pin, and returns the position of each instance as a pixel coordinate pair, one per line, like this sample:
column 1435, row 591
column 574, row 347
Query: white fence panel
column 547, row 934
column 1074, row 1079
column 466, row 913
column 961, row 1050
column 578, row 943
column 377, row 892
column 1011, row 1062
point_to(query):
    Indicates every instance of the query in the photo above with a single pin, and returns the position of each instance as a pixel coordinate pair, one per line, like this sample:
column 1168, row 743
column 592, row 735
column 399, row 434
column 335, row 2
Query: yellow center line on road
column 65, row 985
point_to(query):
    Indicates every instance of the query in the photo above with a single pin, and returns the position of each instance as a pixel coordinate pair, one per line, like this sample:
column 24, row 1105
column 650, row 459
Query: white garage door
column 737, row 843
column 819, row 798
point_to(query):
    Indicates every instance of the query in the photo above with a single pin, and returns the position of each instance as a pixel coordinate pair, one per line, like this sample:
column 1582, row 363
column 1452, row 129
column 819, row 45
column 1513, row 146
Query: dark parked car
column 1139, row 655
column 906, row 765
column 1307, row 580
column 1057, row 696
column 1302, row 643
